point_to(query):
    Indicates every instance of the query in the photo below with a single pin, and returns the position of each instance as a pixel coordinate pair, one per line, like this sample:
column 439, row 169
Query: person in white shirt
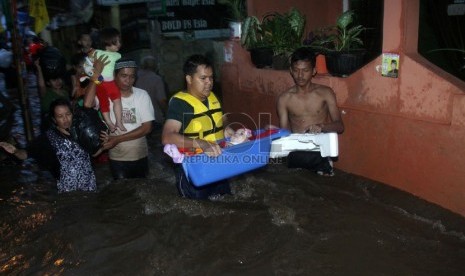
column 129, row 150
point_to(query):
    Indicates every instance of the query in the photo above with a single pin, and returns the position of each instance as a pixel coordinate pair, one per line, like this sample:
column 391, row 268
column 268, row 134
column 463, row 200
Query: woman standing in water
column 57, row 152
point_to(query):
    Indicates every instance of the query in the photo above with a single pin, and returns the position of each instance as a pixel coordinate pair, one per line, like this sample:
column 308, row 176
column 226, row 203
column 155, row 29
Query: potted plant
column 287, row 31
column 341, row 44
column 275, row 36
column 238, row 11
column 257, row 40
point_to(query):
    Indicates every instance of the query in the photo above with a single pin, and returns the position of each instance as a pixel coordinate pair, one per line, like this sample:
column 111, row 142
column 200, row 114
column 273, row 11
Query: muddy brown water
column 278, row 221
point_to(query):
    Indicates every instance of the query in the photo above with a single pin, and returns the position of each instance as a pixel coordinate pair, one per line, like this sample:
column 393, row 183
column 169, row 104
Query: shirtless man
column 308, row 108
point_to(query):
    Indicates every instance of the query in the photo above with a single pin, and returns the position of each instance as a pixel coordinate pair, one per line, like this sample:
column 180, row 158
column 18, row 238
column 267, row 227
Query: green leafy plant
column 287, row 31
column 237, row 9
column 282, row 32
column 341, row 44
column 254, row 33
column 340, row 37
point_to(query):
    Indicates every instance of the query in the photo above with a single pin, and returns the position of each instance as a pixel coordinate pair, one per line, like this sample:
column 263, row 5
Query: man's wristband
column 98, row 80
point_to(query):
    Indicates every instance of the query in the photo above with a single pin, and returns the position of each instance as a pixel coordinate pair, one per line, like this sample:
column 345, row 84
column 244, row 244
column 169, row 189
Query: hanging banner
column 38, row 10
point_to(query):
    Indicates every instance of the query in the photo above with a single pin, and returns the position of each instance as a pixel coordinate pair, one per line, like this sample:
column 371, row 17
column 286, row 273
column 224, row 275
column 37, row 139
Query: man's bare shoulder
column 323, row 88
column 324, row 91
column 287, row 94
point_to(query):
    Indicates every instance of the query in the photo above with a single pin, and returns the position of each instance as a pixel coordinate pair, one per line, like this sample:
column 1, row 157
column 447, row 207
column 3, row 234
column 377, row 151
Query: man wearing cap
column 129, row 150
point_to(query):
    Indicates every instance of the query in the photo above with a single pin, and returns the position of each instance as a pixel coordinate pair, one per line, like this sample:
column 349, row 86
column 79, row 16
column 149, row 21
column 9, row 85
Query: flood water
column 278, row 221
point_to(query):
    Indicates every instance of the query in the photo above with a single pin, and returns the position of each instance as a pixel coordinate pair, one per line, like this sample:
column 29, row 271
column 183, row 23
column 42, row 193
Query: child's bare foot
column 120, row 126
column 111, row 127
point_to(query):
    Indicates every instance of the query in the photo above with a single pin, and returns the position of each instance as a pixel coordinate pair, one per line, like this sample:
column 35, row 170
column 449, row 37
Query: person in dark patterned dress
column 57, row 152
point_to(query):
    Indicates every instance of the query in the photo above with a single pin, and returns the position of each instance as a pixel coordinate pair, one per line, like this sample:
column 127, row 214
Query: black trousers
column 310, row 160
column 129, row 169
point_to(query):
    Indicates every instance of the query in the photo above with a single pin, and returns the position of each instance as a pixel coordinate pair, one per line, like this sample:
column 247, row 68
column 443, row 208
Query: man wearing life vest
column 195, row 121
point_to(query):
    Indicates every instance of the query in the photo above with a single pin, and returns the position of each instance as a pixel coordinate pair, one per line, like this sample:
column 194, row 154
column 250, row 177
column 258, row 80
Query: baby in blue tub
column 240, row 136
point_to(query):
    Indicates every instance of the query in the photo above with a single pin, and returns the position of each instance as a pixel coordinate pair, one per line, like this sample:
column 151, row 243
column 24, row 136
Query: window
column 441, row 36
column 370, row 15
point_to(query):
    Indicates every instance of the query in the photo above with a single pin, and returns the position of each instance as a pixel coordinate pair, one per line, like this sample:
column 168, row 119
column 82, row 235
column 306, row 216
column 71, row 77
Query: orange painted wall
column 407, row 132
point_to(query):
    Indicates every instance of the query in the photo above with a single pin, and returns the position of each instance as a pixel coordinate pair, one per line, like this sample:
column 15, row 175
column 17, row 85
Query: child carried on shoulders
column 107, row 90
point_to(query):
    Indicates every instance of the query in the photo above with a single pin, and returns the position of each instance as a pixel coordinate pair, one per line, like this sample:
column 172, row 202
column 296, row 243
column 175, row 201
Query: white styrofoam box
column 325, row 143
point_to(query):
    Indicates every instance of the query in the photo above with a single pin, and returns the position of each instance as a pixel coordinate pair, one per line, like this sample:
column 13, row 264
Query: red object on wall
column 320, row 65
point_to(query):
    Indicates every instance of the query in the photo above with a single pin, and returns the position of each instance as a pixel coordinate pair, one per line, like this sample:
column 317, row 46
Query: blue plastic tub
column 238, row 159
